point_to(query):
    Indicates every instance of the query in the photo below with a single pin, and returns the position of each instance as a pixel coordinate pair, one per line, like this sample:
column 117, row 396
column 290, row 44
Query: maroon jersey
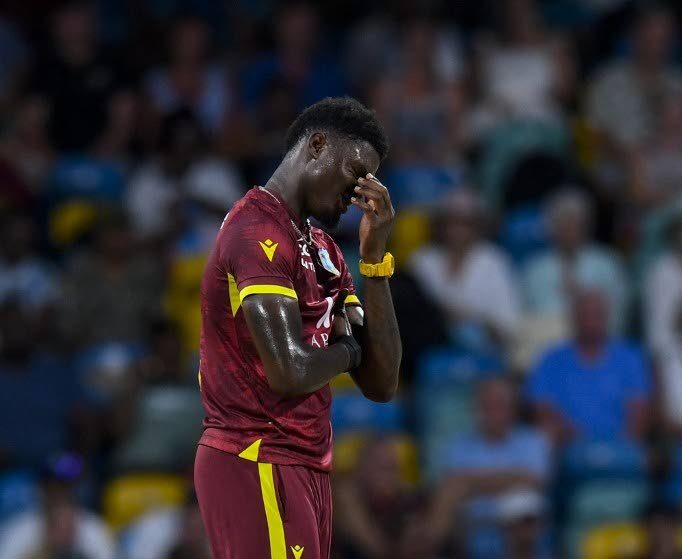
column 258, row 250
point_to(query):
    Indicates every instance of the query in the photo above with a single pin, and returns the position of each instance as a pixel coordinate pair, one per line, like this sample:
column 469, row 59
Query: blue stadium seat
column 18, row 493
column 604, row 482
column 523, row 232
column 598, row 459
column 353, row 412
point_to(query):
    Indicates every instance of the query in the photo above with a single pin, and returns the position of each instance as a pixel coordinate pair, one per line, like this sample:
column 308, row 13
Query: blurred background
column 536, row 169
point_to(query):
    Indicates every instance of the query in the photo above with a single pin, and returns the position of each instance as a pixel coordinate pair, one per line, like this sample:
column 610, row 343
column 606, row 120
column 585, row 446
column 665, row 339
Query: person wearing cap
column 60, row 528
column 523, row 517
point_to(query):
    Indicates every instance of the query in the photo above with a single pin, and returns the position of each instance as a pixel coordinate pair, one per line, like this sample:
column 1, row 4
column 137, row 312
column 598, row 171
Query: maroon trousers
column 253, row 510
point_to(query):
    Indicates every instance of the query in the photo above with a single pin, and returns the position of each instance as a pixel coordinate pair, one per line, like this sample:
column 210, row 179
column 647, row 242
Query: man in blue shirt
column 592, row 386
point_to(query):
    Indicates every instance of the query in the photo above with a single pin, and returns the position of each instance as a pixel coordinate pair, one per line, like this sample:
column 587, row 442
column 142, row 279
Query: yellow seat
column 183, row 297
column 342, row 383
column 70, row 220
column 347, row 451
column 615, row 541
column 128, row 497
column 411, row 231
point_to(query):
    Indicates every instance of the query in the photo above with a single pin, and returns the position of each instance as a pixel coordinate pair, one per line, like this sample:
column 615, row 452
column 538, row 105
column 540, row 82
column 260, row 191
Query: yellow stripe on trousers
column 278, row 548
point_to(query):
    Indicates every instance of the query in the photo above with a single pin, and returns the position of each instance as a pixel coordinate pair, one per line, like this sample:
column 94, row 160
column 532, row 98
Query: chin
column 329, row 219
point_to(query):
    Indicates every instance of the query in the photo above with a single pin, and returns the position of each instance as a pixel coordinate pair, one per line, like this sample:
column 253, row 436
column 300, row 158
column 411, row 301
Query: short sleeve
column 259, row 256
column 638, row 378
column 539, row 387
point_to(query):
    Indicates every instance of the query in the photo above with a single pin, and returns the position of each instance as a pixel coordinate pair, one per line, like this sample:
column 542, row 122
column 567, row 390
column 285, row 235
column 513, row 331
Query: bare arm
column 378, row 333
column 293, row 368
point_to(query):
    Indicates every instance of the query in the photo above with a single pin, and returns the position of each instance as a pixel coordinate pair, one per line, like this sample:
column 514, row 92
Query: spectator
column 657, row 164
column 416, row 97
column 189, row 78
column 160, row 421
column 167, row 533
column 297, row 59
column 594, row 385
column 663, row 321
column 623, row 96
column 551, row 278
column 184, row 187
column 38, row 391
column 60, row 529
column 111, row 292
column 469, row 277
column 525, row 72
column 374, row 507
column 24, row 275
column 662, row 523
column 485, row 468
column 524, row 519
column 88, row 95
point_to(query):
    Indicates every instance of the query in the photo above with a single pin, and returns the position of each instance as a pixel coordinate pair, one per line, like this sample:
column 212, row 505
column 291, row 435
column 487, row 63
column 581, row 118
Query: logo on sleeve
column 297, row 550
column 269, row 248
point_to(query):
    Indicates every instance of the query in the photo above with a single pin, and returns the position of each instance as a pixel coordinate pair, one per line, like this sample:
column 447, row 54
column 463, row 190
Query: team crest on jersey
column 269, row 248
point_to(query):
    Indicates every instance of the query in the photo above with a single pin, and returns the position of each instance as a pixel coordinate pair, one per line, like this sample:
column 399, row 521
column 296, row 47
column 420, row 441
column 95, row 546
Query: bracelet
column 354, row 350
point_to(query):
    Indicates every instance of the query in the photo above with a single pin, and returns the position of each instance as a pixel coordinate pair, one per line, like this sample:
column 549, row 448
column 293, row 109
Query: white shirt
column 484, row 285
column 663, row 303
column 24, row 535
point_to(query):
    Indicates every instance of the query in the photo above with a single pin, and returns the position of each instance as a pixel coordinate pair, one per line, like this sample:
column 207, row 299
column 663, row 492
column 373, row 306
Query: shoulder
column 530, row 437
column 554, row 354
column 491, row 256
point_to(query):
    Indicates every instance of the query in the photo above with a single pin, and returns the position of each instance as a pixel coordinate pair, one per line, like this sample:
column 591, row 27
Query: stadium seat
column 352, row 412
column 523, row 232
column 444, row 398
column 599, row 459
column 128, row 497
column 18, row 492
column 615, row 541
column 182, row 297
column 508, row 144
column 411, row 231
column 348, row 447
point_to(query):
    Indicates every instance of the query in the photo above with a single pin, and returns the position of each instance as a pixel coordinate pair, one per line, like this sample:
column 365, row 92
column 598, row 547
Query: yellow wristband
column 383, row 269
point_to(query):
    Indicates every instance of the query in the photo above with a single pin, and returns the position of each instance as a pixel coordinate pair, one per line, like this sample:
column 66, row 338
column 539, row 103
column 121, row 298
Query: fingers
column 364, row 206
column 371, row 188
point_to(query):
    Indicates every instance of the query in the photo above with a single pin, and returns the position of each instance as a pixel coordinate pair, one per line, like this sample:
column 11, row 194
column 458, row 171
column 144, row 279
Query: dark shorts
column 253, row 510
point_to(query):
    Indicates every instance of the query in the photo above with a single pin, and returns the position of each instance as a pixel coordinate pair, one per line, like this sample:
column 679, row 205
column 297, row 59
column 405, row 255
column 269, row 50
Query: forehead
column 361, row 154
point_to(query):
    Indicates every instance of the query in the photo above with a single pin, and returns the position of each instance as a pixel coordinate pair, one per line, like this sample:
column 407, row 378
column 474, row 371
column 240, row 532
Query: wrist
column 353, row 349
column 373, row 257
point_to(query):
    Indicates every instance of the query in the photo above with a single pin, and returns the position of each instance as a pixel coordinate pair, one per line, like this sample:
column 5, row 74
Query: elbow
column 380, row 396
column 382, row 393
column 285, row 381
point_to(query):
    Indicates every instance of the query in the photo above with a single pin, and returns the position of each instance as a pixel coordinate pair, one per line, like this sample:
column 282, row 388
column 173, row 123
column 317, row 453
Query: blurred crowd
column 536, row 169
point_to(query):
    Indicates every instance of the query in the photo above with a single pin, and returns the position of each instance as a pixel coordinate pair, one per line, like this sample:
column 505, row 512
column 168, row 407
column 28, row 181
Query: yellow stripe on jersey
column 267, row 289
column 233, row 294
column 351, row 300
column 278, row 548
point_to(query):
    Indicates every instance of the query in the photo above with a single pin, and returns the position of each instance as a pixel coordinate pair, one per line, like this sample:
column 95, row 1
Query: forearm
column 310, row 369
column 293, row 368
column 377, row 375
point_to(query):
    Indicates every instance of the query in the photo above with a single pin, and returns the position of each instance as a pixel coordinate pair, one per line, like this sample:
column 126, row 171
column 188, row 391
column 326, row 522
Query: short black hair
column 344, row 115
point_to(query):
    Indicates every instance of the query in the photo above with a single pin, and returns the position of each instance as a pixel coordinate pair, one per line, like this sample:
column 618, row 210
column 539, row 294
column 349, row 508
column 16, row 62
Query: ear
column 316, row 143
